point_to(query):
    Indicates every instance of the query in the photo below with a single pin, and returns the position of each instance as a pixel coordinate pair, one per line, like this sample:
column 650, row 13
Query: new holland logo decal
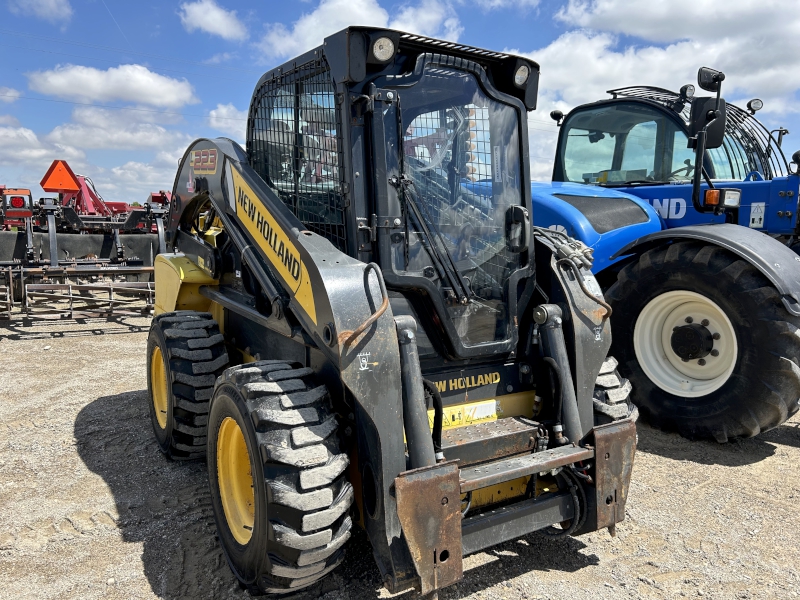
column 273, row 241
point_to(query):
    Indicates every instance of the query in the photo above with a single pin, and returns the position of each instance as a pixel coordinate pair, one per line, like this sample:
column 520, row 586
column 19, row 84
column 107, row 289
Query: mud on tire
column 192, row 353
column 301, row 498
column 764, row 386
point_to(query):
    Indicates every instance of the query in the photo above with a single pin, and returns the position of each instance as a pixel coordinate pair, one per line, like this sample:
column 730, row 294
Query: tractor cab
column 643, row 140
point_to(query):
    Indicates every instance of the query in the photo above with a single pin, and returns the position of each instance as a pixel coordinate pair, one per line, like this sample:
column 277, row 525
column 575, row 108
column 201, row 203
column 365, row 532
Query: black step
column 508, row 469
column 489, row 441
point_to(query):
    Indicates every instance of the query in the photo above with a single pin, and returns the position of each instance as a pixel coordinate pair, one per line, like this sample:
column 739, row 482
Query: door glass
column 461, row 150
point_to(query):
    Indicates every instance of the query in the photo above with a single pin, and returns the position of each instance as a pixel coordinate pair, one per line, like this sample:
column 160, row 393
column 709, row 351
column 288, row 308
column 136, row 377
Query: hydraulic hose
column 438, row 416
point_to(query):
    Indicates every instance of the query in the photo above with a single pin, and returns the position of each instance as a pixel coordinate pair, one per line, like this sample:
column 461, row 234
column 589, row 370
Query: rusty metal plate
column 615, row 446
column 429, row 509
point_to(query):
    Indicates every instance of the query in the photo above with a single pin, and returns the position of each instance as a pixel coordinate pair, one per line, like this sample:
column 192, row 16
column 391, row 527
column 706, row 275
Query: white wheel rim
column 651, row 343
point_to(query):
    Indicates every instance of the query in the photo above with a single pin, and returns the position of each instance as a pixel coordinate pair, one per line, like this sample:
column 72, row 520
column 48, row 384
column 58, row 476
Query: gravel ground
column 90, row 509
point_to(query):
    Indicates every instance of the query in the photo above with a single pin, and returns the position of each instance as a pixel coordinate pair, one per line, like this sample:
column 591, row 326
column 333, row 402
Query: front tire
column 706, row 342
column 278, row 489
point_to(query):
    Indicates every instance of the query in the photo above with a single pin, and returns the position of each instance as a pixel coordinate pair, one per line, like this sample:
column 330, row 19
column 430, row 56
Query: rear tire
column 755, row 390
column 185, row 355
column 298, row 513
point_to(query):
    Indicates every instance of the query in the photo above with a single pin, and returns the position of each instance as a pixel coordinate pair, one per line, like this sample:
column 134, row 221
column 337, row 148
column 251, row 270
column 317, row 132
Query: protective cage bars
column 746, row 142
column 294, row 144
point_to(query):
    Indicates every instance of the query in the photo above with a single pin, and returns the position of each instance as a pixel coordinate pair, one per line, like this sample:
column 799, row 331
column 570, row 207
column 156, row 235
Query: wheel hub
column 691, row 341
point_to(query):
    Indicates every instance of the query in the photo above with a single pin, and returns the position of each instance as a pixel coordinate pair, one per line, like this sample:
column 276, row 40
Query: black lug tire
column 764, row 388
column 612, row 395
column 302, row 498
column 194, row 356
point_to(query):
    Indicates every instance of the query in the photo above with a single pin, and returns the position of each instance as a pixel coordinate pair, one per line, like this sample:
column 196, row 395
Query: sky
column 120, row 89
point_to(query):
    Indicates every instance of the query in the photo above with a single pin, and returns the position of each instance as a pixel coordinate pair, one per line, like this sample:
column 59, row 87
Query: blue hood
column 602, row 218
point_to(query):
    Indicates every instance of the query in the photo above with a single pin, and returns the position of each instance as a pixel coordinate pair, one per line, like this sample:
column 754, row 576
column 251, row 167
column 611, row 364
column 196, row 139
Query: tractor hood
column 603, row 219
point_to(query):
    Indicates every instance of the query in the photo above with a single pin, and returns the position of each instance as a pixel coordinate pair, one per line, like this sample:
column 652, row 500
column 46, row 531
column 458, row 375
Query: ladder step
column 507, row 469
column 489, row 441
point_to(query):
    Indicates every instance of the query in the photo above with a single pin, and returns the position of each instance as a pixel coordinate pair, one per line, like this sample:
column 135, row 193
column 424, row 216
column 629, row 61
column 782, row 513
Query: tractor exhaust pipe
column 548, row 317
column 415, row 412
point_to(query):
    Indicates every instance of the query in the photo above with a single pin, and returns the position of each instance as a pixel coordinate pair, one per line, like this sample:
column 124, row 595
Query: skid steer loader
column 352, row 331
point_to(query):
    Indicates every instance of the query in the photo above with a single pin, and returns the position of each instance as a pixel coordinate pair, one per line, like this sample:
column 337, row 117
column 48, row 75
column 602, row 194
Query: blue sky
column 120, row 88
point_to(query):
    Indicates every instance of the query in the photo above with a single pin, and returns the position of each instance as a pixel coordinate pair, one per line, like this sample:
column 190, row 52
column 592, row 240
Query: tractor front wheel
column 277, row 475
column 706, row 342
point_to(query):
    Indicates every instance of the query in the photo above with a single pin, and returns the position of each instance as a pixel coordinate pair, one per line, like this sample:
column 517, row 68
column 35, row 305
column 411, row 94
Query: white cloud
column 208, row 16
column 54, row 11
column 220, row 58
column 94, row 128
column 228, row 119
column 128, row 83
column 429, row 17
column 9, row 121
column 134, row 180
column 9, row 95
column 496, row 4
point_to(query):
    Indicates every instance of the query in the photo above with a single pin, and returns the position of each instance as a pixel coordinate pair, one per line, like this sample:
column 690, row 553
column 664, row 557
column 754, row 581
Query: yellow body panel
column 482, row 411
column 178, row 282
column 276, row 244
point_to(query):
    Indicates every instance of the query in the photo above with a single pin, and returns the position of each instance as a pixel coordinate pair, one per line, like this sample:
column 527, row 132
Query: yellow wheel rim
column 235, row 480
column 158, row 380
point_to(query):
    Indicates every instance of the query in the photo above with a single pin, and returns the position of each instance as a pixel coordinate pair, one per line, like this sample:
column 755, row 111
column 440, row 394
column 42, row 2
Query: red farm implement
column 77, row 255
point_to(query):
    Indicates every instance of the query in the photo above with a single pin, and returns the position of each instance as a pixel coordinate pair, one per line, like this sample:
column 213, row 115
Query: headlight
column 754, row 105
column 731, row 198
column 687, row 91
column 383, row 49
column 521, row 75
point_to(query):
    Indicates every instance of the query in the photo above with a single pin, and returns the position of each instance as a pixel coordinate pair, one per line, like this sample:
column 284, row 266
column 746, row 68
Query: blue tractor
column 690, row 209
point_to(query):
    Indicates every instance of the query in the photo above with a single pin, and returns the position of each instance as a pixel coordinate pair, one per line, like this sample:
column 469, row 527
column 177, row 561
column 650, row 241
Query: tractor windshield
column 623, row 143
column 461, row 157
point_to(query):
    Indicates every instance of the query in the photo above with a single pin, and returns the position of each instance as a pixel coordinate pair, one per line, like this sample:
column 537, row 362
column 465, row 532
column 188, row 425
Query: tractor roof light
column 754, row 105
column 521, row 75
column 687, row 92
column 383, row 49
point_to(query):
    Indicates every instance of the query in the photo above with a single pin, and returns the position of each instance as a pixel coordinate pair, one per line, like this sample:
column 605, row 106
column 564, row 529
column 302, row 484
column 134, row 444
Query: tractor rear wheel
column 706, row 342
column 278, row 489
column 185, row 355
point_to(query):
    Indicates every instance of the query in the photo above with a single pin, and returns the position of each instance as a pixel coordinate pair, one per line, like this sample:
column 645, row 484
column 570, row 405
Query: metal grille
column 748, row 145
column 294, row 144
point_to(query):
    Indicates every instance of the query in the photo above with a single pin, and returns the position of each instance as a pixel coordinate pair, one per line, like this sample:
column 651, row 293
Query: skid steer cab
column 673, row 193
column 358, row 324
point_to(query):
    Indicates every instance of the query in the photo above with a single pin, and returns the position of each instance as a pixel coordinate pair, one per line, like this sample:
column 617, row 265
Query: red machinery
column 78, row 253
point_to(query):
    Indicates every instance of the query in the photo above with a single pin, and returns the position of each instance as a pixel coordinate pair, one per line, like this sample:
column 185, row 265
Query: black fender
column 775, row 260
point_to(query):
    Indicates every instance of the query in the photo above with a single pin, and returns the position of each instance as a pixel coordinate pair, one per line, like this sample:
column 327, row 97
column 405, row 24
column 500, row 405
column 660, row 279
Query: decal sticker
column 669, row 208
column 190, row 183
column 204, row 162
column 363, row 362
column 757, row 214
column 558, row 228
column 279, row 250
column 466, row 414
column 498, row 168
column 463, row 383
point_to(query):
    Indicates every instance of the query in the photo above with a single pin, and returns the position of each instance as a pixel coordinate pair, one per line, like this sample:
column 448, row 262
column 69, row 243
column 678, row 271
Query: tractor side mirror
column 518, row 228
column 706, row 112
column 709, row 79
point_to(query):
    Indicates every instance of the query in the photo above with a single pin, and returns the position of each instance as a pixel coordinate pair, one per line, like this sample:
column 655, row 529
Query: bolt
column 525, row 369
column 702, row 362
column 715, row 336
column 704, row 322
column 389, row 95
column 397, row 222
column 689, row 319
column 715, row 353
column 509, row 388
column 348, row 431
